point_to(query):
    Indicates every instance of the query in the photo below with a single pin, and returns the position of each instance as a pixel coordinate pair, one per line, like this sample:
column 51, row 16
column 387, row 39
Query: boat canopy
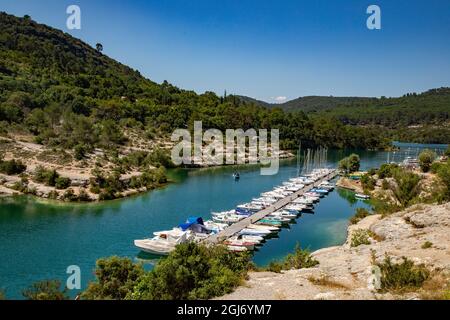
column 193, row 223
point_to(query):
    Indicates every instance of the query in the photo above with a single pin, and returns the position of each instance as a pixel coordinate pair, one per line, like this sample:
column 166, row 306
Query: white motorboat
column 236, row 248
column 162, row 244
column 283, row 214
column 255, row 232
column 228, row 218
column 261, row 227
column 240, row 243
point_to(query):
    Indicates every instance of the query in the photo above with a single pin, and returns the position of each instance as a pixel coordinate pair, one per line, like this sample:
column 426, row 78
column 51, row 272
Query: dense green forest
column 413, row 117
column 70, row 95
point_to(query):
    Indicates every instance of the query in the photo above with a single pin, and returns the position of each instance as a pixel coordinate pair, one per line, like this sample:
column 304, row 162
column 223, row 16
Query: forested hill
column 311, row 103
column 67, row 95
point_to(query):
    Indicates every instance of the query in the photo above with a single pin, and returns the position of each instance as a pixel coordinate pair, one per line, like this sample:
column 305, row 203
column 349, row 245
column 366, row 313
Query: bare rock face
column 346, row 273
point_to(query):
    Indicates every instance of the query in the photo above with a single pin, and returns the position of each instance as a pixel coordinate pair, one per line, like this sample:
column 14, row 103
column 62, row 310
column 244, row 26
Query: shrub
column 401, row 276
column 444, row 174
column 115, row 279
column 407, row 186
column 426, row 158
column 301, row 258
column 360, row 237
column 275, row 266
column 427, row 245
column 69, row 195
column 62, row 183
column 360, row 214
column 386, row 170
column 46, row 290
column 193, row 271
column 385, row 185
column 48, row 177
column 368, row 183
column 83, row 196
column 350, row 164
column 12, row 167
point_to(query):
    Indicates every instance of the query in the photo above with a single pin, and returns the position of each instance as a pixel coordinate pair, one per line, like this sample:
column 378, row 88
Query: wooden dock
column 237, row 227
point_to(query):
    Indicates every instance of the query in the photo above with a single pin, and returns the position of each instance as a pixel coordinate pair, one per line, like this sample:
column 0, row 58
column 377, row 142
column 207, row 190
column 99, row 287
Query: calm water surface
column 39, row 240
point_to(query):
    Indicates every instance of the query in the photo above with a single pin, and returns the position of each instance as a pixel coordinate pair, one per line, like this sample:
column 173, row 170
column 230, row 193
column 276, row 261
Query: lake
column 40, row 239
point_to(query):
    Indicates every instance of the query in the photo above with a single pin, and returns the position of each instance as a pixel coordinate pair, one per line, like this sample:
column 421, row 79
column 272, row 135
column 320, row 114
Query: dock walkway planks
column 236, row 227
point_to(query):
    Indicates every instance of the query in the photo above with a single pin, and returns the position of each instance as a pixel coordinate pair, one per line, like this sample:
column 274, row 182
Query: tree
column 447, row 152
column 46, row 290
column 99, row 47
column 116, row 278
column 350, row 164
column 426, row 158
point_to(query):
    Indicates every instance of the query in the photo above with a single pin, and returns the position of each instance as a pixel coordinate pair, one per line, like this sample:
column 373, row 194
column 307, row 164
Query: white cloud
column 279, row 99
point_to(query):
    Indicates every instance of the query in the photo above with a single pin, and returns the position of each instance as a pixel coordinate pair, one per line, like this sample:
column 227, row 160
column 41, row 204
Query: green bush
column 386, row 170
column 115, row 279
column 402, row 276
column 427, row 245
column 301, row 258
column 194, row 272
column 368, row 183
column 46, row 290
column 426, row 158
column 444, row 174
column 48, row 177
column 360, row 214
column 350, row 164
column 62, row 183
column 407, row 186
column 360, row 237
column 12, row 167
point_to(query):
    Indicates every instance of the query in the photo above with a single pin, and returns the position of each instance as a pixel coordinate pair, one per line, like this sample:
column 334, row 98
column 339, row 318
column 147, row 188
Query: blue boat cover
column 191, row 221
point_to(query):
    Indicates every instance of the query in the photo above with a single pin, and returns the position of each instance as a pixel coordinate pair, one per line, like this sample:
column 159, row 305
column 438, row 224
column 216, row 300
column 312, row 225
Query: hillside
column 423, row 118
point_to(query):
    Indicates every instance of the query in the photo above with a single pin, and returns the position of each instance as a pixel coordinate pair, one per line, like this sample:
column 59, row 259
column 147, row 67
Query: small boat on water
column 236, row 248
column 240, row 243
column 362, row 196
column 259, row 227
column 255, row 232
column 236, row 176
column 164, row 243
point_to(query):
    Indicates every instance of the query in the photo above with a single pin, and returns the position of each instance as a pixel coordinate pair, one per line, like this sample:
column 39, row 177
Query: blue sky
column 267, row 49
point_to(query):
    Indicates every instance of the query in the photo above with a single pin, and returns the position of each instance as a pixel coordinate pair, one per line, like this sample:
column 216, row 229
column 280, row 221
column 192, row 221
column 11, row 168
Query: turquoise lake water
column 39, row 240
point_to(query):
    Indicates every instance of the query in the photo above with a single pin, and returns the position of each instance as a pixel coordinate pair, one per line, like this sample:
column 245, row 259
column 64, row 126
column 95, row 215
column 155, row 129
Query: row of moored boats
column 196, row 229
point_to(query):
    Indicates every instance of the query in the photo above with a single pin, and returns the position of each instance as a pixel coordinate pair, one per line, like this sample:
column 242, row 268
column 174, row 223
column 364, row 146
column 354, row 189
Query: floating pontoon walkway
column 237, row 227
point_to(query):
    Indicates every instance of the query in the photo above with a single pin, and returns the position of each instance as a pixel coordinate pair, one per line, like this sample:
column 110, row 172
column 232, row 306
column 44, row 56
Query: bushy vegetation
column 426, row 159
column 11, row 167
column 191, row 271
column 360, row 237
column 368, row 183
column 350, row 164
column 46, row 290
column 402, row 276
column 115, row 279
column 301, row 258
column 50, row 178
column 427, row 245
column 360, row 214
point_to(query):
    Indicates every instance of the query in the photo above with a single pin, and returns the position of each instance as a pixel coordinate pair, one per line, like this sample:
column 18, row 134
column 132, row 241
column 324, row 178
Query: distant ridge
column 311, row 103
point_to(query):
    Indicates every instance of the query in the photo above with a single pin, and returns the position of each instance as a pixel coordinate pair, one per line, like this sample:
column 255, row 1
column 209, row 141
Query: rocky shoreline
column 345, row 272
